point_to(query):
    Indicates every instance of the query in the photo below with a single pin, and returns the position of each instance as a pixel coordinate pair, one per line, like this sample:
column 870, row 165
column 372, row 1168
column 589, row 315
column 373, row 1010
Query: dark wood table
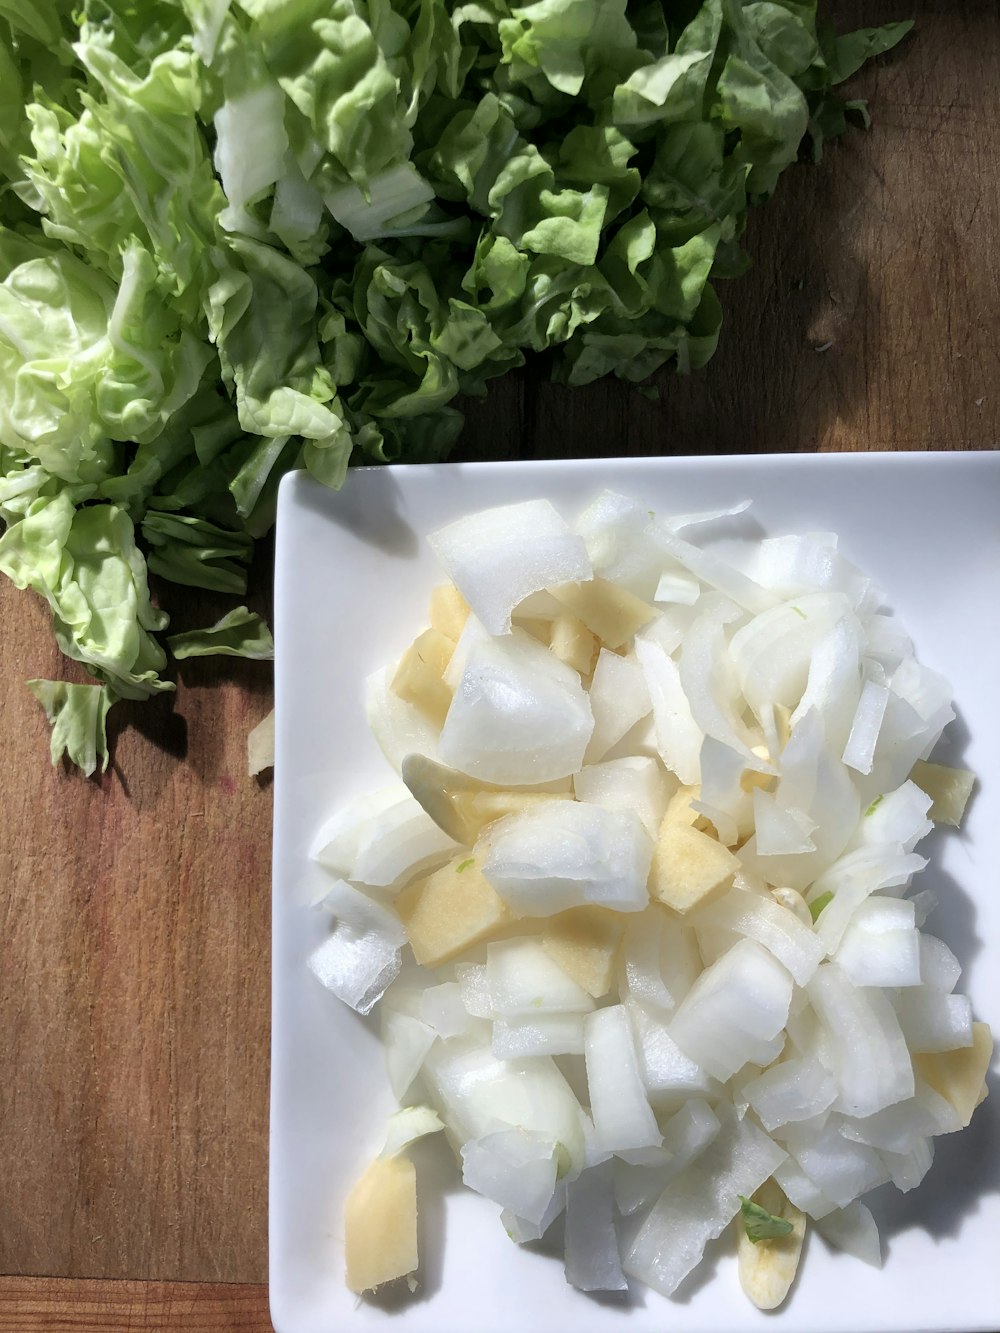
column 134, row 909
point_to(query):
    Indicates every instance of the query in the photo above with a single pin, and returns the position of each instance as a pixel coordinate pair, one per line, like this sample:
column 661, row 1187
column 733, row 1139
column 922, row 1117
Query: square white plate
column 352, row 578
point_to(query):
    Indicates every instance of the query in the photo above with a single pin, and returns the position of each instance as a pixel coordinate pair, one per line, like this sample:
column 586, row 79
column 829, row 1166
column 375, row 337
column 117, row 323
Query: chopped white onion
column 699, row 1204
column 567, row 854
column 678, row 736
column 622, row 1116
column 734, row 1011
column 518, row 715
column 515, row 1167
column 793, row 1090
column 637, row 784
column 398, row 727
column 592, row 1259
column 771, row 705
column 523, row 981
column 853, row 1230
column 619, row 698
column 497, row 557
column 362, row 956
column 871, row 1061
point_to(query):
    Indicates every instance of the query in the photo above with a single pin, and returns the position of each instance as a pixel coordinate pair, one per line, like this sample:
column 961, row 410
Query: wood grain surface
column 73, row 1305
column 134, row 909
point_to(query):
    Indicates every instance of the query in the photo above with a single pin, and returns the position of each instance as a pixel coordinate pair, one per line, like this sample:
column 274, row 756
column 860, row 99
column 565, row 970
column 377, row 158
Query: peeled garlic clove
column 767, row 1269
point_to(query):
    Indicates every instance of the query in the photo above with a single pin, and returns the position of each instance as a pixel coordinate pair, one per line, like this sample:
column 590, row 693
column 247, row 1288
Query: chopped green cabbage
column 240, row 238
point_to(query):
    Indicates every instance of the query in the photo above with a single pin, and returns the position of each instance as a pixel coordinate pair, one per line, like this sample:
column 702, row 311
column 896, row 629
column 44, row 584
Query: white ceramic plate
column 352, row 578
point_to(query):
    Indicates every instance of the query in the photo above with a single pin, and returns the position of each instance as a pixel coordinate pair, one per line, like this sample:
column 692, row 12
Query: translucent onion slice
column 361, row 958
column 398, row 727
column 734, row 1011
column 678, row 736
column 772, row 654
column 497, row 557
column 709, row 680
column 859, row 752
column 475, row 1094
column 522, row 1232
column 658, row 961
column 619, row 698
column 872, row 1063
column 853, row 1230
column 519, row 715
column 808, row 562
column 667, row 1073
column 833, row 685
column 797, row 1089
column 516, row 1168
column 932, row 1021
column 637, row 783
column 405, row 1042
column 546, row 1034
column 623, row 1119
column 592, row 1260
column 842, row 1170
column 523, row 981
column 614, row 529
column 713, row 569
column 569, row 854
column 700, row 1203
column 756, row 916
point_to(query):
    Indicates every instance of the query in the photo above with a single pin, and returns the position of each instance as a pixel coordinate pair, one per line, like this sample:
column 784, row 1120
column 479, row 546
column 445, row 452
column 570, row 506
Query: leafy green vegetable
column 241, row 633
column 760, row 1224
column 237, row 239
column 79, row 715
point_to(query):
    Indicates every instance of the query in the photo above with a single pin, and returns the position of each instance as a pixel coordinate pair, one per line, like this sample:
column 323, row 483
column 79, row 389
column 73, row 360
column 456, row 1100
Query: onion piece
column 658, row 960
column 515, row 1168
column 859, row 752
column 522, row 1232
column 405, row 1042
column 636, row 784
column 709, row 681
column 475, row 1095
column 614, row 529
column 754, row 916
column 678, row 736
column 524, row 982
column 667, row 1073
column 734, row 1011
column 700, row 1203
column 793, row 1090
column 872, row 1063
column 833, row 685
column 519, row 715
column 841, row 1169
column 931, row 1021
column 711, row 568
column 853, row 1230
column 621, row 1113
column 592, row 1260
column 546, row 1034
column 939, row 968
column 498, row 556
column 362, row 956
column 568, row 854
column 619, row 698
column 398, row 727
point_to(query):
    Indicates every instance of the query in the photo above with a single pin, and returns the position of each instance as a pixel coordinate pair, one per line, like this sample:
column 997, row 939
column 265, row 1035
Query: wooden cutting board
column 134, row 909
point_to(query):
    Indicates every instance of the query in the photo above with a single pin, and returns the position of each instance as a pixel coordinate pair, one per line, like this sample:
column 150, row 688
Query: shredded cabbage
column 237, row 239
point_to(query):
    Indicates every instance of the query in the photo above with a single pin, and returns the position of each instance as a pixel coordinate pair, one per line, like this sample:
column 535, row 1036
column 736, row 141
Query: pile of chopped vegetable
column 639, row 910
column 239, row 238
